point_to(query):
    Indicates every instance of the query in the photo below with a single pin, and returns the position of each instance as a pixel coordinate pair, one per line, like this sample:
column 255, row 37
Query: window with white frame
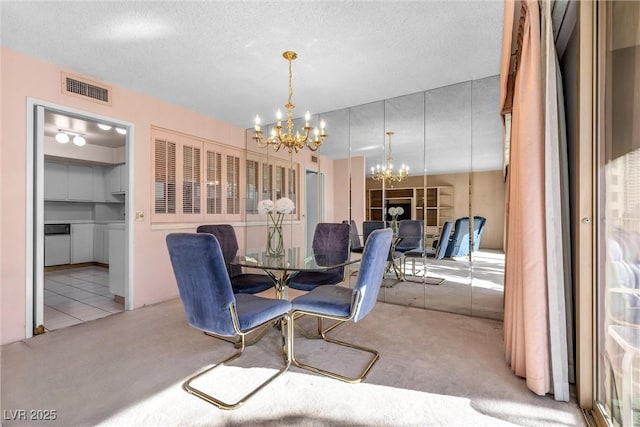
column 195, row 179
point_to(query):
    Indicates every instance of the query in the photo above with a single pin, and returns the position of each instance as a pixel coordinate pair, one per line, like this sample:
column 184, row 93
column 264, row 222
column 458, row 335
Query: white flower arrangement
column 395, row 211
column 276, row 211
column 265, row 206
column 283, row 206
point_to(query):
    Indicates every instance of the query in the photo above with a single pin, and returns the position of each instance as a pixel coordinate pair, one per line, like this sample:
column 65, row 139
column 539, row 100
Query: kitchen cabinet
column 80, row 181
column 118, row 177
column 117, row 259
column 81, row 243
column 75, row 183
column 99, row 184
column 57, row 249
column 55, row 181
column 101, row 243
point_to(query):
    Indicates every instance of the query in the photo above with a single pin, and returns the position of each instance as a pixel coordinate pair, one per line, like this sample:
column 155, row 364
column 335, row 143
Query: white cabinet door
column 80, row 182
column 56, row 249
column 124, row 177
column 115, row 179
column 55, row 181
column 98, row 242
column 81, row 243
column 99, row 185
column 116, row 260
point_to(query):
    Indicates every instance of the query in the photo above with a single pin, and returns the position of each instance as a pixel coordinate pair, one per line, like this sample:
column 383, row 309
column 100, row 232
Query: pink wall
column 23, row 76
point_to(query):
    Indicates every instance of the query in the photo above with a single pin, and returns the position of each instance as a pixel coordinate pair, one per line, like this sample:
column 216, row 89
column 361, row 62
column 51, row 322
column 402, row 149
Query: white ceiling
column 224, row 58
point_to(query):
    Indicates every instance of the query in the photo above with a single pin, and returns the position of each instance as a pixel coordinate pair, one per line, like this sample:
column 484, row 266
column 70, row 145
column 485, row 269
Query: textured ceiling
column 223, row 58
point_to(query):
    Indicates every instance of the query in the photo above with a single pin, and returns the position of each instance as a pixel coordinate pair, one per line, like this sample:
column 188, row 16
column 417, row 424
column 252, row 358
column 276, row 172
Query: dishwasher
column 57, row 244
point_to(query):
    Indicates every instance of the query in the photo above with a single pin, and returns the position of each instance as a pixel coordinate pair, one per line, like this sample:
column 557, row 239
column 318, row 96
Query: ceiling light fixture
column 121, row 131
column 62, row 137
column 381, row 173
column 103, row 126
column 292, row 142
column 79, row 140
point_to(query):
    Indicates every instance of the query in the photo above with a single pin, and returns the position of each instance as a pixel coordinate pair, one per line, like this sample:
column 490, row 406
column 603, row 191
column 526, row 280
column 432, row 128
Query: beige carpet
column 436, row 369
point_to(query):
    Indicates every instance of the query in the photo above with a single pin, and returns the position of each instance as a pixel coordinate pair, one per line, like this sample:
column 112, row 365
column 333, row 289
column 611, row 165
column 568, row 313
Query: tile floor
column 76, row 295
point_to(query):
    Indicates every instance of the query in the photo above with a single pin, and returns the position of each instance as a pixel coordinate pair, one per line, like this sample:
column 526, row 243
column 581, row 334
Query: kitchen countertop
column 84, row 221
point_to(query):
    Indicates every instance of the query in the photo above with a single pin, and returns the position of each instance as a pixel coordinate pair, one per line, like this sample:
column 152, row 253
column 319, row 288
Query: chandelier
column 278, row 138
column 382, row 173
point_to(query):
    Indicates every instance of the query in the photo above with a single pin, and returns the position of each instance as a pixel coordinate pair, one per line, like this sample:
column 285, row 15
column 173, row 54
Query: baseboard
column 78, row 265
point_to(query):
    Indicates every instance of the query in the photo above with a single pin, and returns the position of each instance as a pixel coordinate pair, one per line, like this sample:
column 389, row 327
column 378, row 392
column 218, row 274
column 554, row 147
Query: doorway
column 72, row 184
column 314, row 200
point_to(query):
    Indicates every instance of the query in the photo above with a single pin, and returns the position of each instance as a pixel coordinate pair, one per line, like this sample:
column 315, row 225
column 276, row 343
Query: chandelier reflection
column 385, row 173
column 287, row 139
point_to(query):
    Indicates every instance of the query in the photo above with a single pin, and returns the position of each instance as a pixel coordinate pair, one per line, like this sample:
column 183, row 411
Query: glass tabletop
column 293, row 259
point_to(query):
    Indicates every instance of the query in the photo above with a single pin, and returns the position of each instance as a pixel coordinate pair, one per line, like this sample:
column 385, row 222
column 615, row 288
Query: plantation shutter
column 214, row 182
column 191, row 190
column 252, row 186
column 280, row 182
column 233, row 184
column 267, row 170
column 165, row 177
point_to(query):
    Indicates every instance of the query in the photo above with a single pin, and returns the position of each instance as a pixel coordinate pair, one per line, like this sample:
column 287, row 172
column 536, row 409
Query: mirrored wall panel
column 430, row 166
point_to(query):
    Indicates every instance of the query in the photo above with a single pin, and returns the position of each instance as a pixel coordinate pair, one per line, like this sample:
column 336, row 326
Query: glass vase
column 275, row 245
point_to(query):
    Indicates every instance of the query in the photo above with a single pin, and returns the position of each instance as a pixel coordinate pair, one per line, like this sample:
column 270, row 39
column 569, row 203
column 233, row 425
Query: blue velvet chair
column 211, row 305
column 354, row 237
column 242, row 283
column 411, row 231
column 344, row 304
column 458, row 244
column 370, row 226
column 328, row 238
column 478, row 227
column 437, row 252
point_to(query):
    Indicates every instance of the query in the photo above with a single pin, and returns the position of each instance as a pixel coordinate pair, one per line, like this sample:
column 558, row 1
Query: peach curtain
column 526, row 329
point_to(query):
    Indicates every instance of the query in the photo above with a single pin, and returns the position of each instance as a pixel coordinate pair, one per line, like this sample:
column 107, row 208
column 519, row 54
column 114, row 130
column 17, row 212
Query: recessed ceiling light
column 121, row 131
column 62, row 137
column 103, row 126
column 79, row 140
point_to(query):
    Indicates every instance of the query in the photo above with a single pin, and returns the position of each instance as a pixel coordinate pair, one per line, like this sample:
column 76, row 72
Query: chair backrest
column 478, row 228
column 371, row 273
column 459, row 243
column 354, row 237
column 411, row 231
column 226, row 236
column 332, row 238
column 444, row 240
column 203, row 282
column 369, row 226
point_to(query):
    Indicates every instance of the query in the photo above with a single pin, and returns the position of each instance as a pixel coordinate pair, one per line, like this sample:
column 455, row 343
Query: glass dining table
column 282, row 268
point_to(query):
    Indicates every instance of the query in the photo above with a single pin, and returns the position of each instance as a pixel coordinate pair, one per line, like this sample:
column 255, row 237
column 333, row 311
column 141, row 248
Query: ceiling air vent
column 86, row 89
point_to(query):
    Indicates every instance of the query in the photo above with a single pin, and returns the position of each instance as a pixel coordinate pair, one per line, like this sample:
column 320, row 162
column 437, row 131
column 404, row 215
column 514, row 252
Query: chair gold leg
column 331, row 374
column 251, row 340
column 287, row 353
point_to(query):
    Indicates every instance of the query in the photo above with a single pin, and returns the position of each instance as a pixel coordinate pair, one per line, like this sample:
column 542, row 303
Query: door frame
column 34, row 233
